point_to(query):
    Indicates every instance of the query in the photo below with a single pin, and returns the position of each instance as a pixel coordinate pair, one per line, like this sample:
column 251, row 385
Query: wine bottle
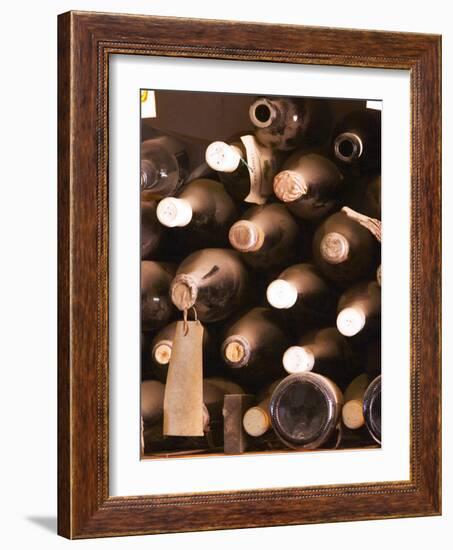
column 305, row 410
column 357, row 142
column 325, row 352
column 151, row 229
column 161, row 348
column 359, row 309
column 352, row 412
column 253, row 346
column 309, row 185
column 265, row 235
column 257, row 419
column 213, row 280
column 204, row 208
column 302, row 290
column 245, row 167
column 156, row 306
column 286, row 123
column 344, row 250
column 151, row 401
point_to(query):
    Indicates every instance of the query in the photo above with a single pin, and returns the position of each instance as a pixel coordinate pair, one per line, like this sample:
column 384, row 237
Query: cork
column 334, row 248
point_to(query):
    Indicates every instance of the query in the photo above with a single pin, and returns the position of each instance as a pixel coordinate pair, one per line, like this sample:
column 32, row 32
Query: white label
column 262, row 169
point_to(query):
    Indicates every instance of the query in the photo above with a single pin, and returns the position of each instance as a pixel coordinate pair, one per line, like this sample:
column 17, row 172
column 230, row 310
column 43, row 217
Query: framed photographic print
column 249, row 275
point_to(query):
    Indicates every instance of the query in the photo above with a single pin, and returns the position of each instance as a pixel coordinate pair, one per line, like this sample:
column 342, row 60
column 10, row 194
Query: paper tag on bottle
column 262, row 168
column 183, row 399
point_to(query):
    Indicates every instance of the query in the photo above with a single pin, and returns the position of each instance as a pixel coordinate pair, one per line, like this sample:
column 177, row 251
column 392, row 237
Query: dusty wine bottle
column 286, row 123
column 301, row 289
column 305, row 410
column 257, row 419
column 352, row 412
column 204, row 208
column 309, row 185
column 344, row 250
column 359, row 309
column 213, row 280
column 151, row 229
column 253, row 346
column 266, row 235
column 325, row 352
column 245, row 167
column 156, row 306
column 372, row 408
column 357, row 141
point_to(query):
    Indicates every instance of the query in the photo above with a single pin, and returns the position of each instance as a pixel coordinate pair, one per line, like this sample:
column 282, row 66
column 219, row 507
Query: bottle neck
column 334, row 248
column 352, row 414
column 236, row 351
column 289, row 186
column 257, row 420
column 348, row 147
column 173, row 212
column 299, row 359
column 161, row 352
column 264, row 113
column 282, row 294
column 351, row 320
column 184, row 291
column 223, row 157
column 246, row 236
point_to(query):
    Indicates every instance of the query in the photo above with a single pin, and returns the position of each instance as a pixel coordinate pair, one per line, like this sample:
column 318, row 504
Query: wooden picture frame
column 85, row 41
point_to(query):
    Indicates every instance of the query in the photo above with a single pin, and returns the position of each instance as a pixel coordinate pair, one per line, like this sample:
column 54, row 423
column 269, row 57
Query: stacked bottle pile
column 273, row 239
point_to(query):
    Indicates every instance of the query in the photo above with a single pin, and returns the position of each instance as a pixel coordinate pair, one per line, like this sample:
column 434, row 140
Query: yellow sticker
column 143, row 95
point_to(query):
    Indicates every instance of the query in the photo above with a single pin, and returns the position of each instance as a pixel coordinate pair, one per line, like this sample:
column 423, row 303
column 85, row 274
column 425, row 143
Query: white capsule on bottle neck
column 351, row 320
column 222, row 157
column 281, row 294
column 298, row 359
column 173, row 212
